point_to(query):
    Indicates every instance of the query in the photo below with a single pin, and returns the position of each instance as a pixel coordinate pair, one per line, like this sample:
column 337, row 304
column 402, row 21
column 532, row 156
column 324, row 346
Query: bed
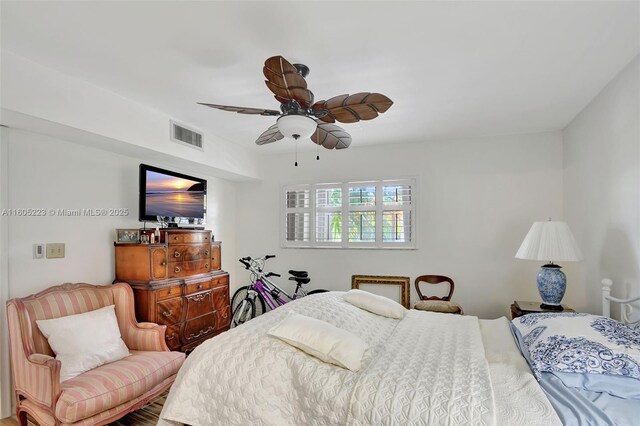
column 428, row 368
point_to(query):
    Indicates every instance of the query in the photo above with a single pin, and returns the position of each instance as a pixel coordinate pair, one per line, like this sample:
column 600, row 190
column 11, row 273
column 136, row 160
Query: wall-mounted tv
column 179, row 197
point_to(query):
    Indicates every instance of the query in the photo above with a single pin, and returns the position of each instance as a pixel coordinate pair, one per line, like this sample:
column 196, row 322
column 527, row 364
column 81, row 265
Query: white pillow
column 84, row 341
column 373, row 303
column 321, row 340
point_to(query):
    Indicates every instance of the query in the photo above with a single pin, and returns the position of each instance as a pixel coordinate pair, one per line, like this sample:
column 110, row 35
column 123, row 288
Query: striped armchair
column 98, row 396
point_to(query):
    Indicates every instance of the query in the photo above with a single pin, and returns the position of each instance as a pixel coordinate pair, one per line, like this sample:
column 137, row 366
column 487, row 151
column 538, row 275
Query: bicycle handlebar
column 245, row 261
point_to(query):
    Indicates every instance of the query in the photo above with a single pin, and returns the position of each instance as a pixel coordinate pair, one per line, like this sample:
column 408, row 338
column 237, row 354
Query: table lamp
column 550, row 241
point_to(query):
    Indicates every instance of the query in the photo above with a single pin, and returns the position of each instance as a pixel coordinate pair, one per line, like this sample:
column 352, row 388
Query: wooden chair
column 435, row 303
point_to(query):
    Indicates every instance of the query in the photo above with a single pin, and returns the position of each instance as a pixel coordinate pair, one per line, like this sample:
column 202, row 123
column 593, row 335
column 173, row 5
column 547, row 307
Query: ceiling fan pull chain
column 317, row 154
column 296, row 142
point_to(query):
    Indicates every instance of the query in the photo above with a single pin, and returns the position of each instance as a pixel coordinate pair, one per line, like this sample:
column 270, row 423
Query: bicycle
column 251, row 301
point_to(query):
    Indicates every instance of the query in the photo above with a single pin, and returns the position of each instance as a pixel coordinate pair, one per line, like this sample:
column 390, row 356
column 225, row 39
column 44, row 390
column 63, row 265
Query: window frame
column 345, row 208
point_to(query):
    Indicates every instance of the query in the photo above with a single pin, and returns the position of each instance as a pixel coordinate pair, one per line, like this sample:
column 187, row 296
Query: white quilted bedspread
column 428, row 368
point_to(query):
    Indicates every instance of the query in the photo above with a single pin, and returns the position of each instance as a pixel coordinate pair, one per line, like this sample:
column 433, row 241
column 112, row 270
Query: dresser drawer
column 216, row 258
column 198, row 304
column 224, row 318
column 220, row 281
column 168, row 292
column 188, row 238
column 196, row 287
column 174, row 238
column 169, row 311
column 185, row 269
column 199, row 237
column 172, row 337
column 199, row 327
column 220, row 297
column 180, row 253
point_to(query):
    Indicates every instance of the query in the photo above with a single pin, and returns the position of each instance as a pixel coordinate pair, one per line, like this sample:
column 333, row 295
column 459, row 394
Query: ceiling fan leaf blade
column 288, row 79
column 356, row 98
column 272, row 134
column 331, row 136
column 328, row 119
column 335, row 102
column 281, row 99
column 243, row 110
column 279, row 65
column 284, row 81
column 363, row 111
column 300, row 95
column 379, row 102
column 357, row 107
column 345, row 115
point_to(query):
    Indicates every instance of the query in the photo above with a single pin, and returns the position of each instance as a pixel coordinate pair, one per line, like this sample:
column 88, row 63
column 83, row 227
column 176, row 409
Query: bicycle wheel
column 242, row 293
column 317, row 291
column 243, row 313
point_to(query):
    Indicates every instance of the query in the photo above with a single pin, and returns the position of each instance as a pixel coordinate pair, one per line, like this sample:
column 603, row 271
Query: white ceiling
column 453, row 69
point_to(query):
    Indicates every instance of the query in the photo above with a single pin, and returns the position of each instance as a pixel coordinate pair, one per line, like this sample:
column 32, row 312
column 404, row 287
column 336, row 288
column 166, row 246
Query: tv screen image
column 171, row 194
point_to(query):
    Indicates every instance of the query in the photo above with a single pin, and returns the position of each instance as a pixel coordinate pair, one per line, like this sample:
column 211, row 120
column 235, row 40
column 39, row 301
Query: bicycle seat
column 300, row 280
column 299, row 274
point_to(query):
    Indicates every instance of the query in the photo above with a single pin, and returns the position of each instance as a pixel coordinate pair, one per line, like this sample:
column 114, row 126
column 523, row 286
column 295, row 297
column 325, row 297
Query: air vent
column 186, row 136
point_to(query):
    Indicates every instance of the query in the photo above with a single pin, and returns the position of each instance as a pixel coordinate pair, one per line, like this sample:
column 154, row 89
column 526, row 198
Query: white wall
column 5, row 386
column 50, row 173
column 602, row 187
column 477, row 198
column 34, row 90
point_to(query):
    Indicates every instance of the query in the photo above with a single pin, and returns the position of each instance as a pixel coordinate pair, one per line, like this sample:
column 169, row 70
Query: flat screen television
column 180, row 198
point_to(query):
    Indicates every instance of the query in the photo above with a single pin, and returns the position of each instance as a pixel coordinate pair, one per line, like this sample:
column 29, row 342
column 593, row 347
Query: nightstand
column 519, row 308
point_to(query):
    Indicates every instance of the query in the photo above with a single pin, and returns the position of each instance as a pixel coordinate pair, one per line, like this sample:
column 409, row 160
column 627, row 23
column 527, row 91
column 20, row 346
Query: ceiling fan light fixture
column 296, row 126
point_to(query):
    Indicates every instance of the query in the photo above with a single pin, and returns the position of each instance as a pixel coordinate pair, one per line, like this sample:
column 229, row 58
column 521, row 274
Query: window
column 371, row 214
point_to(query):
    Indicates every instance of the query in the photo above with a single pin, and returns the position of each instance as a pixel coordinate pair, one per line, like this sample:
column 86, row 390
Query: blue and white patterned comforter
column 580, row 343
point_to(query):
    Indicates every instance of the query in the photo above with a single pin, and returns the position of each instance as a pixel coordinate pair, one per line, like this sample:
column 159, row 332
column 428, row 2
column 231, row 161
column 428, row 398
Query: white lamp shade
column 296, row 126
column 550, row 241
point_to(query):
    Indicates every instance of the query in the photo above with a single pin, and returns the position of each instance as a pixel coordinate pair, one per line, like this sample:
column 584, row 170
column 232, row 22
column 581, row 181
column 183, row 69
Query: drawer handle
column 176, row 253
column 167, row 314
column 199, row 297
column 163, row 263
column 206, row 266
column 175, row 237
column 206, row 252
column 200, row 333
column 199, row 286
column 177, row 269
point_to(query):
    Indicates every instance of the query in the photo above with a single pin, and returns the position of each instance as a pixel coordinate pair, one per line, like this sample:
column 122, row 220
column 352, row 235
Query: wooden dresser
column 178, row 283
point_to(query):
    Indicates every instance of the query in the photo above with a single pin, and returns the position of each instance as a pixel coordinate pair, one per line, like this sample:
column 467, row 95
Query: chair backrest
column 55, row 302
column 434, row 279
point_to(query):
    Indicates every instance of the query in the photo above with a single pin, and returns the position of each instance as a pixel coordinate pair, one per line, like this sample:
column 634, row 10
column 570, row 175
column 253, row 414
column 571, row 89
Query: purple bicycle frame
column 260, row 288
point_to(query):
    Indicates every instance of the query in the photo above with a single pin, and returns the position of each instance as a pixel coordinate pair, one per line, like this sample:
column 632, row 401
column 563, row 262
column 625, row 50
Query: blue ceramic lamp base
column 552, row 283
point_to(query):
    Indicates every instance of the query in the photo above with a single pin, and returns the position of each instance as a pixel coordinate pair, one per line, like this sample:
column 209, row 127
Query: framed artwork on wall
column 395, row 288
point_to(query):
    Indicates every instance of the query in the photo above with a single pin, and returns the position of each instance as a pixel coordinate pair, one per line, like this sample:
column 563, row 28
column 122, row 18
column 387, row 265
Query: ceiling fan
column 301, row 117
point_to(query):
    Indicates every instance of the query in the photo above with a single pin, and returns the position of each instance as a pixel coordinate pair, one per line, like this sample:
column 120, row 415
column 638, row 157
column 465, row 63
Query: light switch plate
column 55, row 250
column 38, row 251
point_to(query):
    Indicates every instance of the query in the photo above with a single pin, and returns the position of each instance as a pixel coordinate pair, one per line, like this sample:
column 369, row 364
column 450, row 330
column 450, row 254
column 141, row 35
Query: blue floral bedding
column 587, row 366
column 579, row 343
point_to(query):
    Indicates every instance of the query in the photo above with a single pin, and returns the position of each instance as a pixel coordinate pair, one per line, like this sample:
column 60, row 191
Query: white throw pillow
column 321, row 340
column 373, row 303
column 84, row 341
